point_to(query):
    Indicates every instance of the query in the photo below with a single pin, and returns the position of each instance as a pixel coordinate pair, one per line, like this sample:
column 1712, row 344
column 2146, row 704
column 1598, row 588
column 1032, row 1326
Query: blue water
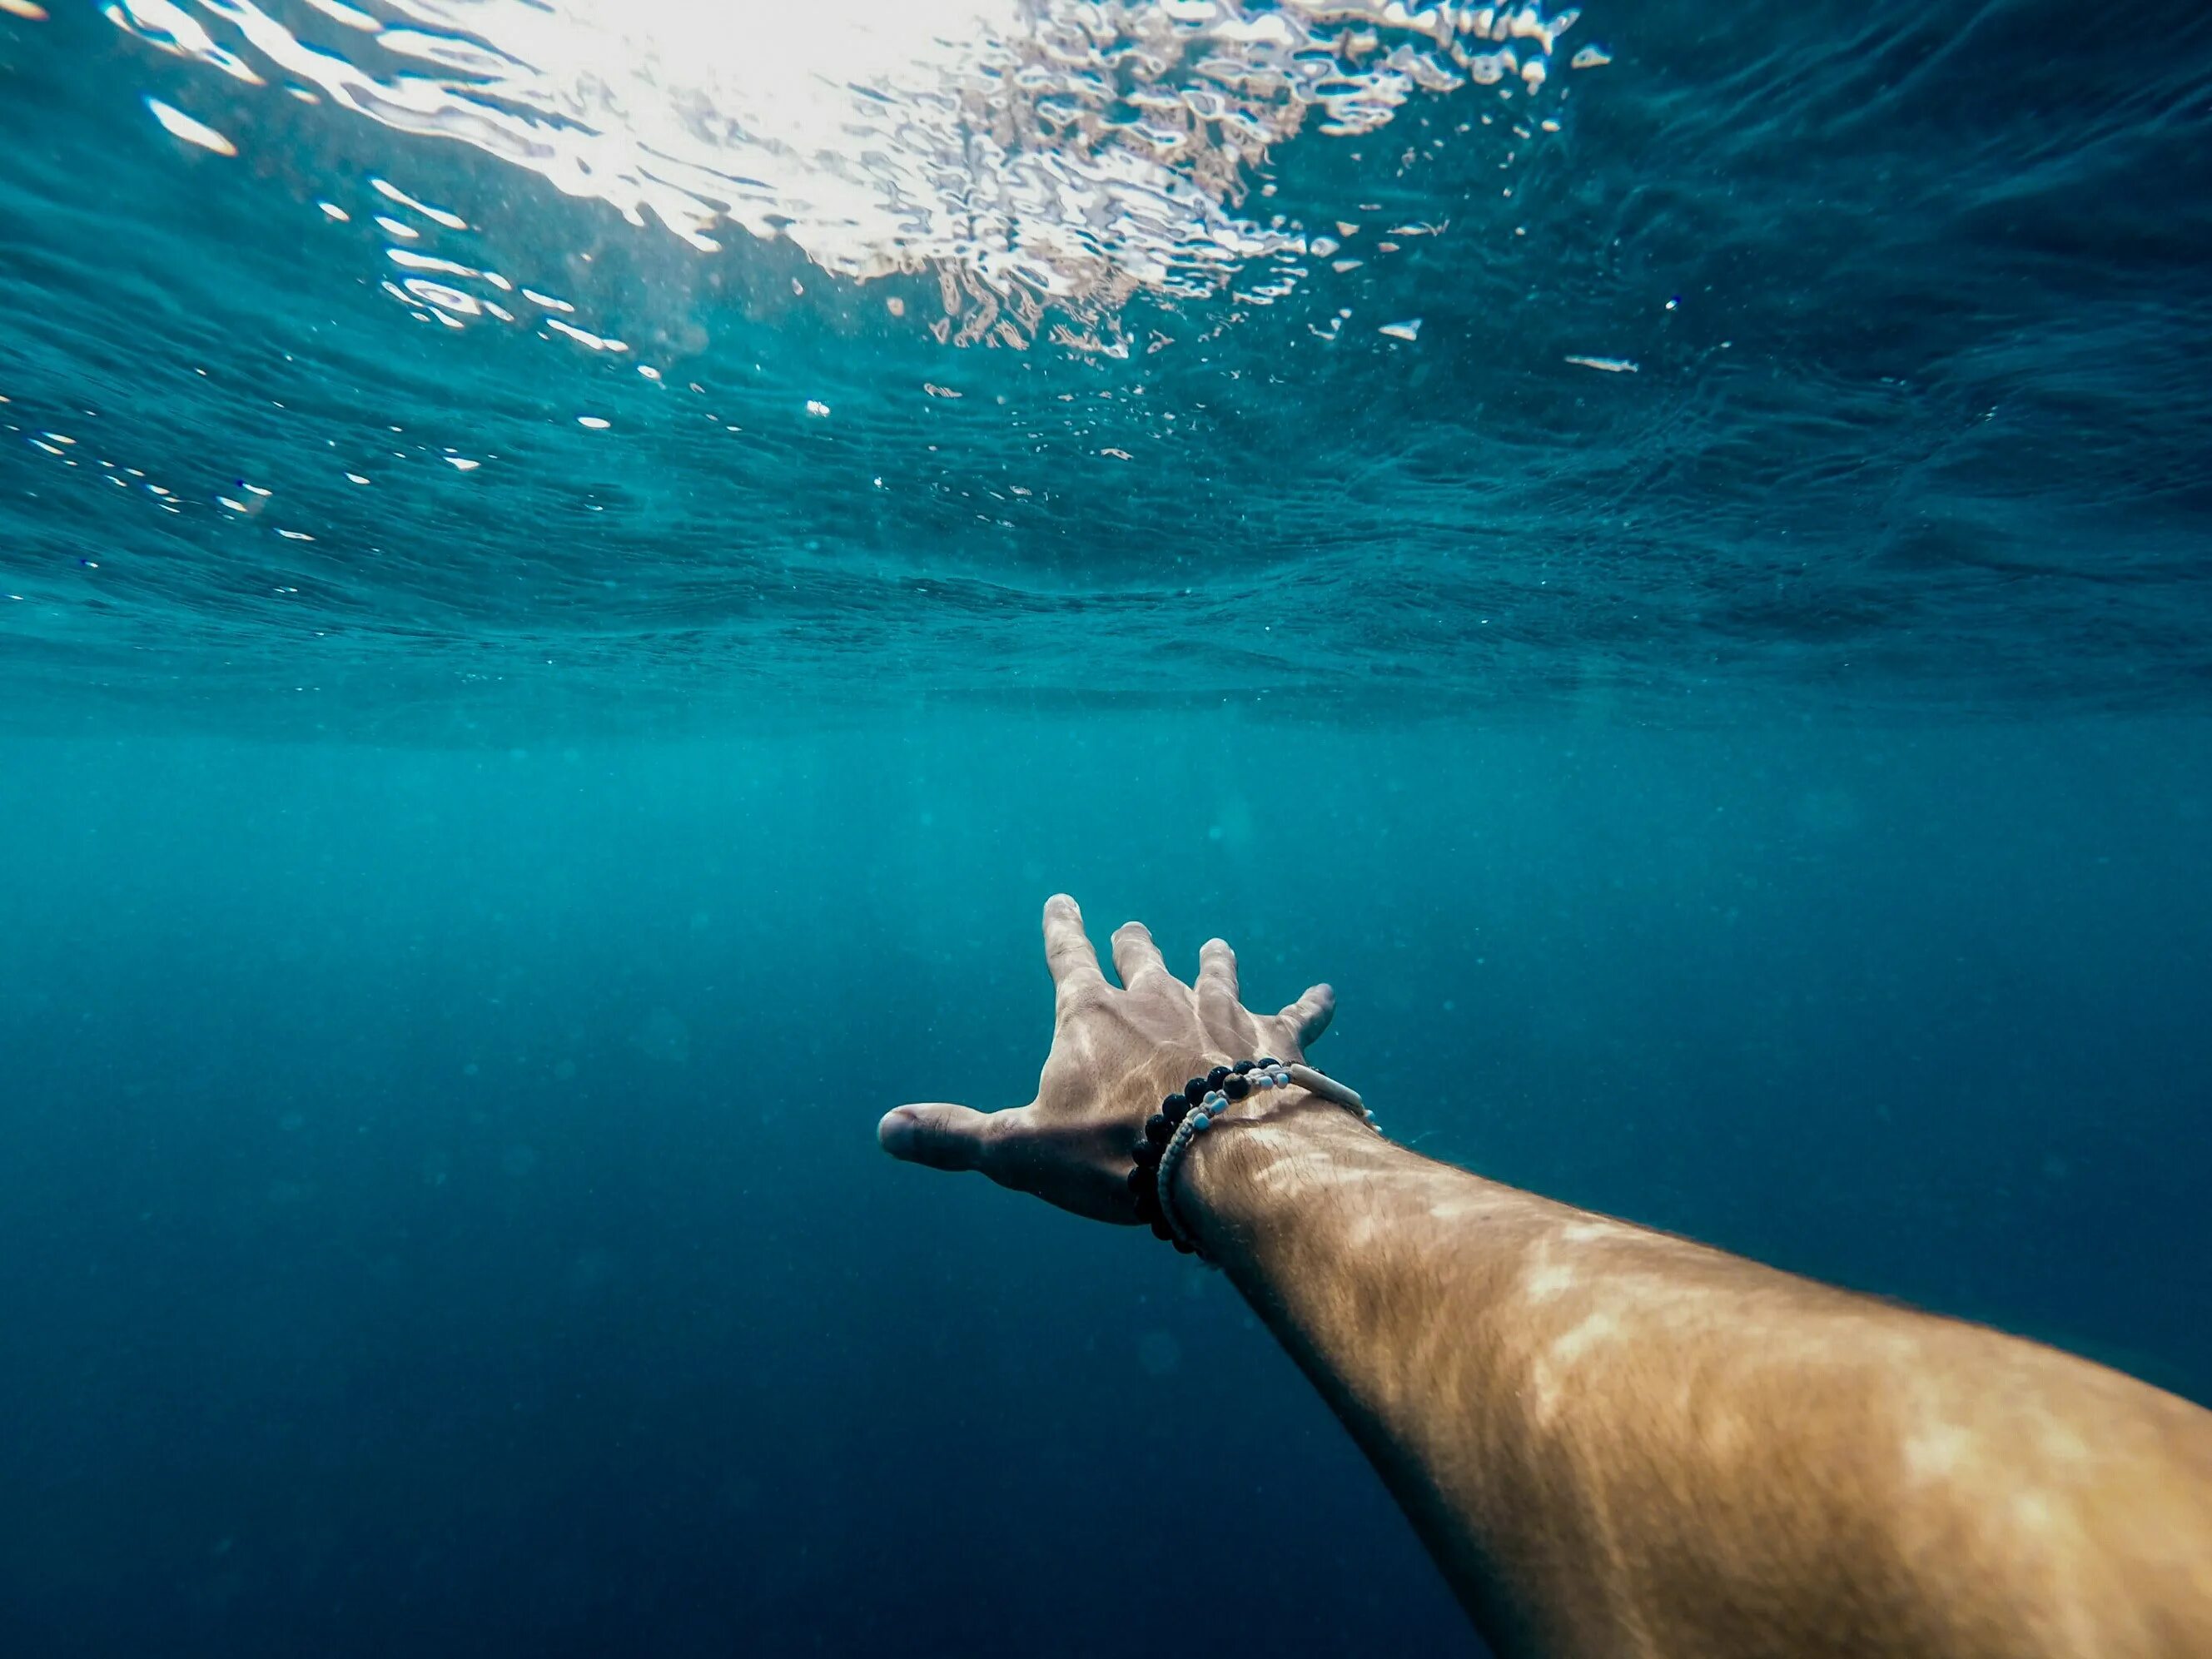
column 470, row 879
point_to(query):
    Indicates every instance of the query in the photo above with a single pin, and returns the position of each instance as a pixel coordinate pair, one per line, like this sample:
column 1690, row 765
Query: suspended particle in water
column 1159, row 1353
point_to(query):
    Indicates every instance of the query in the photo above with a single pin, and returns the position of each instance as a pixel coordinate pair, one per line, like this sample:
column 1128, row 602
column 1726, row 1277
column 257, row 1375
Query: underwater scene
column 573, row 573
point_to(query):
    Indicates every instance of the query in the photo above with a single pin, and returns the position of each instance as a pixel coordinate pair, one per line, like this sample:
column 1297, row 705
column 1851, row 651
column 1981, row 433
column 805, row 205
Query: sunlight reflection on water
column 1047, row 159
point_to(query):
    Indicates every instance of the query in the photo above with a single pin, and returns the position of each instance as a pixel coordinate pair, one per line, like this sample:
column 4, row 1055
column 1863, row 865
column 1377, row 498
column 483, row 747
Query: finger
column 1067, row 951
column 1217, row 969
column 1135, row 955
column 940, row 1135
column 1308, row 1017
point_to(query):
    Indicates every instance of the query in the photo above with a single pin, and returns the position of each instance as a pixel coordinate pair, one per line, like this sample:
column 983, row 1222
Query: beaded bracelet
column 1183, row 1117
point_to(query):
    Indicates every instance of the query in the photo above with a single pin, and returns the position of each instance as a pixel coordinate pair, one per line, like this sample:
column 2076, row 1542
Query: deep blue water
column 460, row 923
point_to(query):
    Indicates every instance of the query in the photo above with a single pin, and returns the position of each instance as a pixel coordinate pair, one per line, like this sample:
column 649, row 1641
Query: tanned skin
column 1615, row 1442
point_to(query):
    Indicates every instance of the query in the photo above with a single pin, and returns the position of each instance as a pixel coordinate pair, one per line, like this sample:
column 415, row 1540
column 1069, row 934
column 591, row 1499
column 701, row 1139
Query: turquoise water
column 1702, row 638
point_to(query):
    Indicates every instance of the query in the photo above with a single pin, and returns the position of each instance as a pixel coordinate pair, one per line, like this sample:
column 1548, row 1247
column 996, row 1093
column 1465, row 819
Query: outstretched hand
column 1114, row 1055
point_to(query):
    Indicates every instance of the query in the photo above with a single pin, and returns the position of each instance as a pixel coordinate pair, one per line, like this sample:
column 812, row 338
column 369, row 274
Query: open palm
column 1116, row 1052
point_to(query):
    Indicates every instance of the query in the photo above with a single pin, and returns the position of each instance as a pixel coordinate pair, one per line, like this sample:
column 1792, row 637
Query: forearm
column 1614, row 1440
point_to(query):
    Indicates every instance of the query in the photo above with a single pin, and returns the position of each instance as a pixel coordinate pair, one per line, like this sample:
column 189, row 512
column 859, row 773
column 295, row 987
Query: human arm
column 1614, row 1441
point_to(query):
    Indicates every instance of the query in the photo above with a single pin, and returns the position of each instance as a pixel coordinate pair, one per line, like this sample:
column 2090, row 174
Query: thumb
column 945, row 1137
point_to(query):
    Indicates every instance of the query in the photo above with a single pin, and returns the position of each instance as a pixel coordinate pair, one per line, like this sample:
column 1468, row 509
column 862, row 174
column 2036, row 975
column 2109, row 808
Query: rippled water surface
column 368, row 365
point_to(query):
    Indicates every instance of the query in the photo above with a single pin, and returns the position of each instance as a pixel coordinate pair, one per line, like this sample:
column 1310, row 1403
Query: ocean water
column 572, row 575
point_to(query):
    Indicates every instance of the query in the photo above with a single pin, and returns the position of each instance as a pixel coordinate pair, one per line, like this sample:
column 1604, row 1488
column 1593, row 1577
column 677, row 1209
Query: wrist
column 1250, row 1178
